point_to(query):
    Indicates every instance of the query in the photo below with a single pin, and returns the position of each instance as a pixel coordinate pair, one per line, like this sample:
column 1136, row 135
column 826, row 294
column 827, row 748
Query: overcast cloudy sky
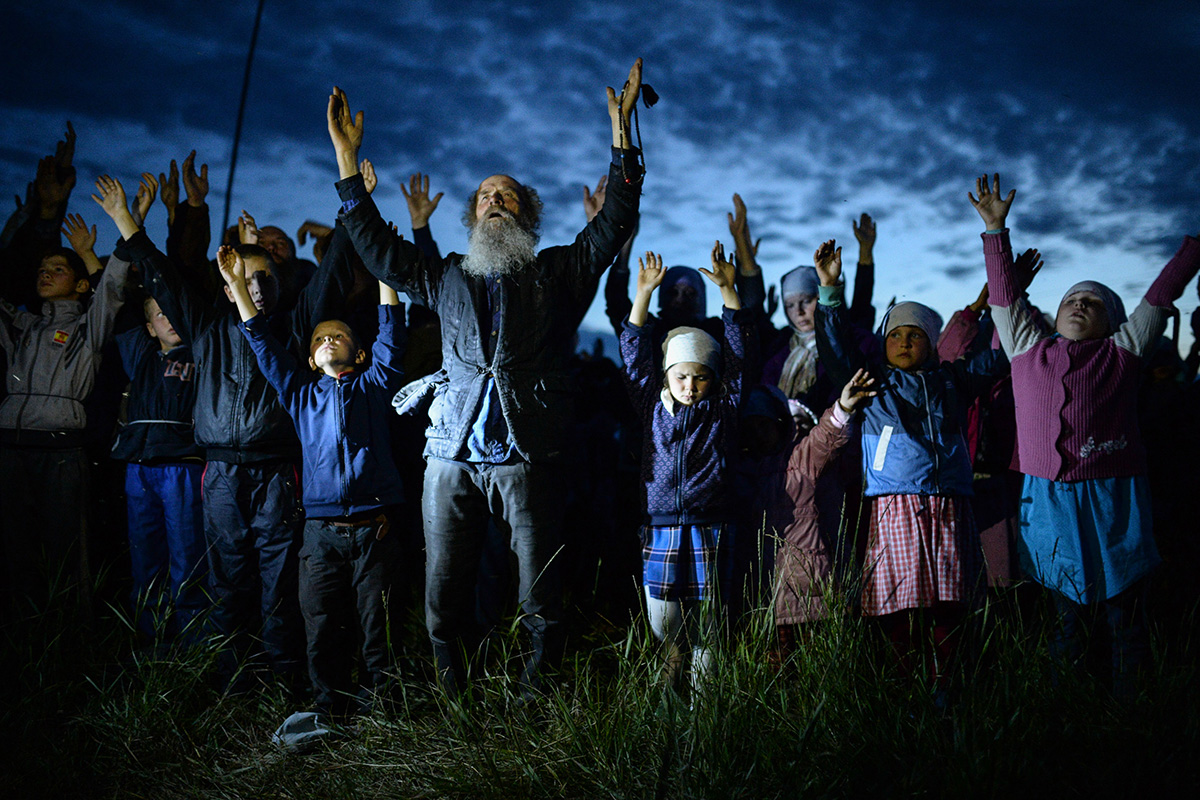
column 813, row 111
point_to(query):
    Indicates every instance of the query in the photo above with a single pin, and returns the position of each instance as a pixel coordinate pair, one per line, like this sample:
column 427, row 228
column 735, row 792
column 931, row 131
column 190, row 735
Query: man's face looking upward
column 498, row 197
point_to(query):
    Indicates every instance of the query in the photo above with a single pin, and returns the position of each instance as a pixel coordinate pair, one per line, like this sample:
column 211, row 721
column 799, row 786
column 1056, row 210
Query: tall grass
column 88, row 715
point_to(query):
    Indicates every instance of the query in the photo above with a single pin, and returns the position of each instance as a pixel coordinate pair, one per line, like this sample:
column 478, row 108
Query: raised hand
column 723, row 275
column 80, row 238
column 828, row 261
column 739, row 228
column 195, row 184
column 864, row 232
column 322, row 235
column 52, row 189
column 247, row 228
column 147, row 191
column 64, row 155
column 1026, row 267
column 231, row 266
column 170, row 190
column 345, row 131
column 619, row 108
column 992, row 208
column 317, row 229
column 420, row 205
column 112, row 196
column 370, row 179
column 594, row 201
column 858, row 391
column 650, row 273
column 722, row 272
column 980, row 302
column 772, row 301
column 112, row 200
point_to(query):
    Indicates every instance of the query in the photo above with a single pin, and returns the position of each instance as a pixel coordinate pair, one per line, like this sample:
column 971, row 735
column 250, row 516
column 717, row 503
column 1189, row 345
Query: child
column 778, row 492
column 922, row 549
column 1086, row 522
column 350, row 483
column 162, row 478
column 688, row 447
column 53, row 357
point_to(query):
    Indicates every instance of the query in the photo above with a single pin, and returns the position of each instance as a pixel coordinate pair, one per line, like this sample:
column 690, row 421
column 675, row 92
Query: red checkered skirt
column 922, row 549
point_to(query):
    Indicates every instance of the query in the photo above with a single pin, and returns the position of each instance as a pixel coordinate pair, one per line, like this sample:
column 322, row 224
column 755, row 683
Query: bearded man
column 498, row 423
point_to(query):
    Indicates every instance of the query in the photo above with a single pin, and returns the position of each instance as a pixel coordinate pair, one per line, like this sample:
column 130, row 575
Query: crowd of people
column 296, row 448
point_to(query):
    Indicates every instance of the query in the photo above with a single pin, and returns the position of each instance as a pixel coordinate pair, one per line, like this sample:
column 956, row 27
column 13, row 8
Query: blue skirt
column 680, row 561
column 1088, row 540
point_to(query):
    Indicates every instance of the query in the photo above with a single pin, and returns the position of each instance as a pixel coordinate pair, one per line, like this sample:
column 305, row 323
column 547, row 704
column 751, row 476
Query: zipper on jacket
column 341, row 440
column 684, row 418
column 937, row 469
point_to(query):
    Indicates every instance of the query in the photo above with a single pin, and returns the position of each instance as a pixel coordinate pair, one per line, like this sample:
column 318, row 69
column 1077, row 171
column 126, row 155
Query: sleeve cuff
column 137, row 248
column 628, row 163
column 832, row 296
column 352, row 190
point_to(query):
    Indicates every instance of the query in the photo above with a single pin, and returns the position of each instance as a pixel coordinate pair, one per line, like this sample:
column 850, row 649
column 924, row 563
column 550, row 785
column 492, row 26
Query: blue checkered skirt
column 681, row 562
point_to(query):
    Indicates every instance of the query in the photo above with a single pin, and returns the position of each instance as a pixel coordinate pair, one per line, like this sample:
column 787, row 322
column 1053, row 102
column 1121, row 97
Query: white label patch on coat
column 881, row 448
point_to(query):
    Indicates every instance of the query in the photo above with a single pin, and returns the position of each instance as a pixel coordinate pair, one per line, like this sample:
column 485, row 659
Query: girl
column 777, row 492
column 1086, row 526
column 922, row 550
column 688, row 444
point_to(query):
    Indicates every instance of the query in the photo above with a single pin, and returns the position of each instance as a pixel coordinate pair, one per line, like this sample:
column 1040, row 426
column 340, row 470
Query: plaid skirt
column 680, row 561
column 922, row 549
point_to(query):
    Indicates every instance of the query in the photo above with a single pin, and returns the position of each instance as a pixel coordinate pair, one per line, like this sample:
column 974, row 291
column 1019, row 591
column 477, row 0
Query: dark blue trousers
column 252, row 520
column 166, row 547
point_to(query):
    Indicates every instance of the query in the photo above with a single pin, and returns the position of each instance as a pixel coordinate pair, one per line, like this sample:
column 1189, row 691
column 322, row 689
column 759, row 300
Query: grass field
column 85, row 714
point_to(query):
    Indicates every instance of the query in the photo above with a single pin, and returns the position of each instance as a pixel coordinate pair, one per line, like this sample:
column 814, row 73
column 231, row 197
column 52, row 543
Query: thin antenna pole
column 237, row 133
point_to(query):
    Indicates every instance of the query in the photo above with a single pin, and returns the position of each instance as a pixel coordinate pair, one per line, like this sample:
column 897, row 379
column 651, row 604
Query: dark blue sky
column 813, row 111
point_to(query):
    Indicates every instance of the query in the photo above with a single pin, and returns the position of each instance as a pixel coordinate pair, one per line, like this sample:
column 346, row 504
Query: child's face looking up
column 690, row 382
column 1082, row 316
column 907, row 347
column 333, row 350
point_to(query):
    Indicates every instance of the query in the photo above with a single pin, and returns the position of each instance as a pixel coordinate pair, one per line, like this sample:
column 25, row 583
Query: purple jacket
column 688, row 452
column 1076, row 401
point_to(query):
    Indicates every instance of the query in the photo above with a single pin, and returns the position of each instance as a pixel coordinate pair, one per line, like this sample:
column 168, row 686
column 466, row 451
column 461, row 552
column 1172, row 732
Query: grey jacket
column 540, row 310
column 53, row 358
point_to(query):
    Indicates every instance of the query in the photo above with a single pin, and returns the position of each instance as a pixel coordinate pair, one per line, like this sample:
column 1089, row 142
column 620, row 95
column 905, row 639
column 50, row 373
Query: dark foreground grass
column 86, row 716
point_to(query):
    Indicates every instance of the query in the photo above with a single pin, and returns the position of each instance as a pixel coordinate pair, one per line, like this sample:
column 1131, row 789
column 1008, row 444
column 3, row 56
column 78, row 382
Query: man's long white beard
column 498, row 246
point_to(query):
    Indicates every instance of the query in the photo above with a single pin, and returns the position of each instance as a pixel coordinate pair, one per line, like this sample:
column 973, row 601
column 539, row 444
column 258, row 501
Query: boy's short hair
column 78, row 268
column 253, row 251
column 147, row 299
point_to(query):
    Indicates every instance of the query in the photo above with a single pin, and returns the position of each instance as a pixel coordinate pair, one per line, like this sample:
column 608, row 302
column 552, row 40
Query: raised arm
column 650, row 277
column 835, row 344
column 388, row 257
column 862, row 310
column 1016, row 322
column 233, row 272
column 815, row 452
column 82, row 241
column 1139, row 334
column 723, row 275
column 620, row 107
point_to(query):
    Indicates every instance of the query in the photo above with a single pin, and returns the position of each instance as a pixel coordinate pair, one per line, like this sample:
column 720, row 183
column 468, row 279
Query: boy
column 162, row 479
column 350, row 481
column 53, row 358
column 252, row 514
